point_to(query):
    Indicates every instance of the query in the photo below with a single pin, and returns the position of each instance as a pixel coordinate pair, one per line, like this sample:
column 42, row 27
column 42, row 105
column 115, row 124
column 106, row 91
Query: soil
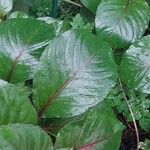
column 129, row 141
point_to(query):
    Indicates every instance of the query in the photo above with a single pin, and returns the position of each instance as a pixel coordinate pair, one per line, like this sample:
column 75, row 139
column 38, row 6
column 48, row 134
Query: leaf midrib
column 123, row 14
column 58, row 92
column 13, row 66
column 91, row 144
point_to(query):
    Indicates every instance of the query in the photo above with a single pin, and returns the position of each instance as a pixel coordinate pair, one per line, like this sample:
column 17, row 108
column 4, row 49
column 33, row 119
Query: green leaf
column 148, row 1
column 75, row 72
column 145, row 145
column 99, row 130
column 60, row 26
column 145, row 121
column 24, row 137
column 18, row 14
column 48, row 20
column 135, row 66
column 121, row 22
column 15, row 106
column 91, row 5
column 79, row 23
column 5, row 7
column 19, row 40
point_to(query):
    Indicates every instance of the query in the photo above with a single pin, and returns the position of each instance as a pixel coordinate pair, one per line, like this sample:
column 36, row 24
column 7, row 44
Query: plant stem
column 54, row 8
column 130, row 109
column 74, row 3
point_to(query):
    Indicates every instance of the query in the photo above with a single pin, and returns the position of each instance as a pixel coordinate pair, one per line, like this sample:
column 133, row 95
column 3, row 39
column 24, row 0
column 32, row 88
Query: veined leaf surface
column 75, row 72
column 121, row 22
column 19, row 40
column 5, row 7
column 99, row 130
column 15, row 106
column 135, row 66
column 24, row 137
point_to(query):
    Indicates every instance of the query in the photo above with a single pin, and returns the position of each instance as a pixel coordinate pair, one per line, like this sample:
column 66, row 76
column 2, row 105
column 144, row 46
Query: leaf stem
column 74, row 3
column 130, row 109
column 53, row 12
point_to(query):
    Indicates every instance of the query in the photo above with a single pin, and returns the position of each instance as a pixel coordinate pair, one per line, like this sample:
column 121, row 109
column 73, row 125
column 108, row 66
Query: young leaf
column 5, row 7
column 91, row 5
column 19, row 39
column 135, row 66
column 79, row 23
column 24, row 137
column 121, row 22
column 76, row 72
column 15, row 106
column 99, row 130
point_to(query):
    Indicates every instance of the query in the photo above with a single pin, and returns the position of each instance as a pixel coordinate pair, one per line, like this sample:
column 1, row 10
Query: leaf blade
column 98, row 130
column 19, row 41
column 71, row 70
column 5, row 7
column 25, row 136
column 122, row 22
column 15, row 106
column 135, row 66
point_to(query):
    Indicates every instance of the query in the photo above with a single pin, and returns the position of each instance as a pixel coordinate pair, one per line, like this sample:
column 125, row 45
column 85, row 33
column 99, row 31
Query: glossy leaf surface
column 15, row 106
column 5, row 7
column 19, row 40
column 76, row 72
column 99, row 130
column 24, row 137
column 121, row 22
column 135, row 67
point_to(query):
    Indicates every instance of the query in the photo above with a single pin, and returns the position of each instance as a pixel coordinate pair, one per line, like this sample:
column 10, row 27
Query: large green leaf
column 23, row 137
column 15, row 106
column 91, row 5
column 135, row 67
column 121, row 22
column 76, row 72
column 19, row 40
column 100, row 130
column 5, row 7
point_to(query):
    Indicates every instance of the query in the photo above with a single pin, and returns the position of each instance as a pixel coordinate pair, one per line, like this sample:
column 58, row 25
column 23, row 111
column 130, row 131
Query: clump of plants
column 74, row 83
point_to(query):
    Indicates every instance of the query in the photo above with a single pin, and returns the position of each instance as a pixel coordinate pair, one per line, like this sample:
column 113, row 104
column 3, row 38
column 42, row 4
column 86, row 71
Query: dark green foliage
column 59, row 76
column 139, row 102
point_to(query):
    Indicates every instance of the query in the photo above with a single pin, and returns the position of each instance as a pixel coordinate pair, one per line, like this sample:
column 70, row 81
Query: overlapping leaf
column 121, row 22
column 23, row 137
column 100, row 130
column 91, row 5
column 18, row 14
column 135, row 66
column 76, row 72
column 15, row 106
column 20, row 39
column 5, row 7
